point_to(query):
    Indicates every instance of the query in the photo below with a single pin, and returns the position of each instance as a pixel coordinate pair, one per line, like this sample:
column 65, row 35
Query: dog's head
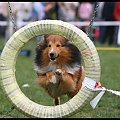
column 57, row 48
column 55, row 44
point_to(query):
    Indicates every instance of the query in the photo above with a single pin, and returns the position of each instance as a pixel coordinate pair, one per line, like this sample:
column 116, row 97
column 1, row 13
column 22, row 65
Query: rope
column 92, row 85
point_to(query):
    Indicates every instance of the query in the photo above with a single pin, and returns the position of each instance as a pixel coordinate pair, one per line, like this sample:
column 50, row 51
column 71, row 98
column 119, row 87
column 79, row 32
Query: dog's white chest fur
column 52, row 67
column 42, row 70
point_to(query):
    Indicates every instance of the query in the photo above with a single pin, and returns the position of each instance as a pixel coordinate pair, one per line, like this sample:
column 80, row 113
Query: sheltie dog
column 58, row 67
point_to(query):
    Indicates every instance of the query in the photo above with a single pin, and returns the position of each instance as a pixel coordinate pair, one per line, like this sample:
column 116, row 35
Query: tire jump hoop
column 8, row 61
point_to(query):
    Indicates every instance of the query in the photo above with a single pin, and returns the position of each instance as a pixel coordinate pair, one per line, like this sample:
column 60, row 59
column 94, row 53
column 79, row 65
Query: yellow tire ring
column 8, row 62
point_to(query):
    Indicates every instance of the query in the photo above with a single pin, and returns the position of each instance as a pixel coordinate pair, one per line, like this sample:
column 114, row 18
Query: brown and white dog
column 58, row 66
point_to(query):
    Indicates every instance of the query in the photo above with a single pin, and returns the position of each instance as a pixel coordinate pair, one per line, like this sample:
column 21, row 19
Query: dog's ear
column 45, row 38
column 41, row 44
column 66, row 41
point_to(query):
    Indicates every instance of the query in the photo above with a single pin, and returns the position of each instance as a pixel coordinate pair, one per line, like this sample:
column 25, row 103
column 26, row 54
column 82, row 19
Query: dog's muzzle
column 53, row 56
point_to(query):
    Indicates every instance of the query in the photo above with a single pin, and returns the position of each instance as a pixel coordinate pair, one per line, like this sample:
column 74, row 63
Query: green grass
column 108, row 107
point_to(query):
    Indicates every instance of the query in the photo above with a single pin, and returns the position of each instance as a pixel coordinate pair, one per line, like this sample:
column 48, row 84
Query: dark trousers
column 2, row 28
column 107, row 33
column 116, row 35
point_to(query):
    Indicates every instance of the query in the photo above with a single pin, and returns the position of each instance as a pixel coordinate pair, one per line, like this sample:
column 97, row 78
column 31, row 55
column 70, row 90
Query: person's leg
column 116, row 35
column 118, row 40
column 111, row 31
column 102, row 36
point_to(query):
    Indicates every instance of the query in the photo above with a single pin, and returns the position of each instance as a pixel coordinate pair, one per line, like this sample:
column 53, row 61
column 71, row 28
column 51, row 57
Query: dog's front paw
column 58, row 72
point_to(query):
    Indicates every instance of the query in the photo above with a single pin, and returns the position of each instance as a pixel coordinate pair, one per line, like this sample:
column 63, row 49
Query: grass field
column 108, row 107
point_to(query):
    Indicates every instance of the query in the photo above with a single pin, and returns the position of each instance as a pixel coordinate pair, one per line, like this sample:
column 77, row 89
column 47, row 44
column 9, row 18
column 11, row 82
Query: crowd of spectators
column 66, row 11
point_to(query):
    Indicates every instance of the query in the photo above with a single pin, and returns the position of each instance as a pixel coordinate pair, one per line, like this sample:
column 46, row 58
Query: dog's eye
column 58, row 45
column 49, row 45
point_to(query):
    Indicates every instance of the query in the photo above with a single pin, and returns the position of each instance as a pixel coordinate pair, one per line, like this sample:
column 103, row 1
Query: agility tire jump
column 8, row 61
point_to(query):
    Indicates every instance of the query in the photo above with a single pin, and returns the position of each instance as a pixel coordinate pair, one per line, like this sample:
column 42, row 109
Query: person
column 98, row 29
column 85, row 11
column 117, row 18
column 99, row 10
column 49, row 8
column 24, row 13
column 107, row 32
column 38, row 12
column 3, row 17
column 67, row 11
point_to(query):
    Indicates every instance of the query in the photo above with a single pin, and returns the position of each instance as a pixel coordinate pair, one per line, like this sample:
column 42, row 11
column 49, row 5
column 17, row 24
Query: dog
column 58, row 67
